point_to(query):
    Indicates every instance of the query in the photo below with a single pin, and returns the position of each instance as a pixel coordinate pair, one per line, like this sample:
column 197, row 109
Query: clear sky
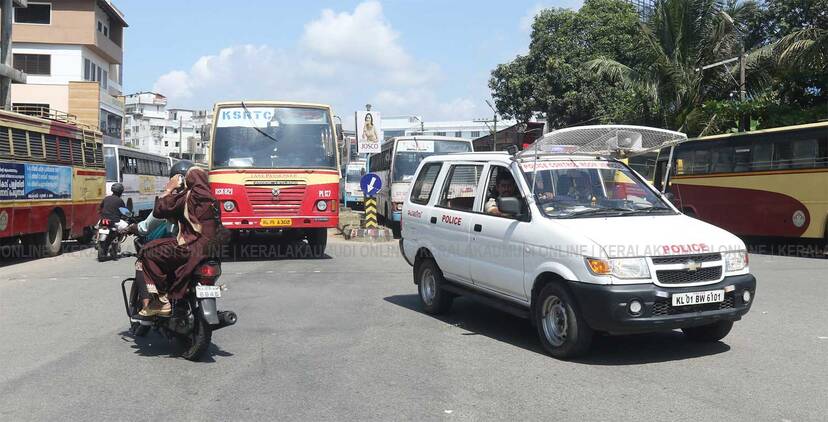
column 430, row 58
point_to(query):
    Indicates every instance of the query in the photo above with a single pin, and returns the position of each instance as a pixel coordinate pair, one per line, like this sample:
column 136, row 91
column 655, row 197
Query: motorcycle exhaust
column 226, row 319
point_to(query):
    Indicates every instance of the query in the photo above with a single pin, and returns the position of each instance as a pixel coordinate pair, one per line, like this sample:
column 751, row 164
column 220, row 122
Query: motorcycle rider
column 110, row 206
column 163, row 264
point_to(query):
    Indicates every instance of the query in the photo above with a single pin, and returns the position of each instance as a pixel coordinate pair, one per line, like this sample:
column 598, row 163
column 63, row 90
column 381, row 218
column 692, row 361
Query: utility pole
column 8, row 73
column 494, row 119
column 180, row 144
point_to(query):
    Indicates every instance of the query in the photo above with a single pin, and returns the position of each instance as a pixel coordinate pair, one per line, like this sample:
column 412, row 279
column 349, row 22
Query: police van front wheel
column 430, row 280
column 562, row 330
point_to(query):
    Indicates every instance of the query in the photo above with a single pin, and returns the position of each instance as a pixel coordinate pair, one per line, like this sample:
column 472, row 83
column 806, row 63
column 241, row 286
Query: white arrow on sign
column 371, row 184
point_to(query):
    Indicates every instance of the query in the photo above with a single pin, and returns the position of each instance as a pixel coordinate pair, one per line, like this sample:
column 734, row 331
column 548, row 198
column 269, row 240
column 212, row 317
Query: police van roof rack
column 609, row 141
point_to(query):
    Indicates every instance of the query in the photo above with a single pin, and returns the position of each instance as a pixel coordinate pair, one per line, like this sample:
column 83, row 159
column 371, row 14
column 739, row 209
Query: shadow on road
column 267, row 248
column 156, row 345
column 637, row 349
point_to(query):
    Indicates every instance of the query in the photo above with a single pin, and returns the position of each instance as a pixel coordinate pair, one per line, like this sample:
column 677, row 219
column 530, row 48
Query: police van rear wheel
column 562, row 330
column 430, row 279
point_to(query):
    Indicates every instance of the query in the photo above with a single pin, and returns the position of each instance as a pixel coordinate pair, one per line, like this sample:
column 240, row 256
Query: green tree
column 550, row 79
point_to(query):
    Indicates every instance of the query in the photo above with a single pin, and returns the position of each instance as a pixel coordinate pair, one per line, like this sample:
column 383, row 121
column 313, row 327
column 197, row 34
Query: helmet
column 181, row 168
column 117, row 189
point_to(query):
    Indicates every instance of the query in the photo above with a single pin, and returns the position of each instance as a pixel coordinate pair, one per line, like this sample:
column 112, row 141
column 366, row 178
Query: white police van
column 578, row 243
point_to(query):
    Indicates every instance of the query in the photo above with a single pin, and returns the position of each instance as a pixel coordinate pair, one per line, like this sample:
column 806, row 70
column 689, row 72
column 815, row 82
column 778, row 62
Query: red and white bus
column 275, row 167
column 51, row 179
column 767, row 184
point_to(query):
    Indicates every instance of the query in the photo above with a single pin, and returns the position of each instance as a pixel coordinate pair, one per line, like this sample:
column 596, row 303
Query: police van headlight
column 735, row 261
column 628, row 268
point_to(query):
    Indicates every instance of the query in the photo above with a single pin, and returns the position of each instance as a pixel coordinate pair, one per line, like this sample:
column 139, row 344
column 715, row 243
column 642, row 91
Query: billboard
column 369, row 132
column 35, row 181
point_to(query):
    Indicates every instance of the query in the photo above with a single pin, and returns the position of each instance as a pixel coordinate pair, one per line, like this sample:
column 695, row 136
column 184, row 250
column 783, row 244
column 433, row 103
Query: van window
column 460, row 188
column 421, row 192
column 502, row 175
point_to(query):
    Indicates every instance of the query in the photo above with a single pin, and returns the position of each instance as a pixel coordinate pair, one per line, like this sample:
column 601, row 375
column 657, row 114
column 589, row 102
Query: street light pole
column 494, row 120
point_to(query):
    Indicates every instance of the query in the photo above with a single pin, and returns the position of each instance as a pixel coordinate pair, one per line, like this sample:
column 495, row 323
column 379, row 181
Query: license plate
column 698, row 298
column 208, row 291
column 275, row 222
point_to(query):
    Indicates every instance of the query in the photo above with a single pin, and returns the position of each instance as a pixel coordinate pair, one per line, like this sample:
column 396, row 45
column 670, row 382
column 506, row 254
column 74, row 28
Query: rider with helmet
column 110, row 206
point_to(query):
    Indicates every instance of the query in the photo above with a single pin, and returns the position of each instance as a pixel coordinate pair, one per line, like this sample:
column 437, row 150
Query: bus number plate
column 275, row 222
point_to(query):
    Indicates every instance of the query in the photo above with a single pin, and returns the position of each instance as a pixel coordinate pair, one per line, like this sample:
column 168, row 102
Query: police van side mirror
column 509, row 205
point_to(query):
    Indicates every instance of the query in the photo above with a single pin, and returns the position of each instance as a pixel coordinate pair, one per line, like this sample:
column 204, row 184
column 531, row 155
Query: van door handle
column 478, row 228
column 433, row 220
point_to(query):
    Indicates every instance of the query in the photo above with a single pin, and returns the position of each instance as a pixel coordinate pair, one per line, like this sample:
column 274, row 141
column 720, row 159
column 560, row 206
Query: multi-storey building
column 72, row 54
column 175, row 132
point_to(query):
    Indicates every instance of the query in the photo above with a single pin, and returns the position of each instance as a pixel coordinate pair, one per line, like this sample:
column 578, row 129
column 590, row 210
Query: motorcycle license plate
column 208, row 291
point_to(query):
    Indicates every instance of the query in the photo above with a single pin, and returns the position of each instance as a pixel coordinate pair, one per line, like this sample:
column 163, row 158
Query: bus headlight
column 735, row 261
column 229, row 206
column 628, row 268
column 398, row 206
column 321, row 205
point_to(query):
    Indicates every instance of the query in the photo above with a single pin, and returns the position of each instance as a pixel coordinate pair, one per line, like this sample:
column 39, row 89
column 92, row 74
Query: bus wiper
column 253, row 122
column 596, row 211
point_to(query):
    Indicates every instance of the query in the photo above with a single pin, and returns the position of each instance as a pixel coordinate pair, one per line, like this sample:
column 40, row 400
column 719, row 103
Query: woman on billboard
column 369, row 133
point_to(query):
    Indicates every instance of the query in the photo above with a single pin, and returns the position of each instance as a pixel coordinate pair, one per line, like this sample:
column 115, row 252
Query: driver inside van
column 505, row 186
column 580, row 188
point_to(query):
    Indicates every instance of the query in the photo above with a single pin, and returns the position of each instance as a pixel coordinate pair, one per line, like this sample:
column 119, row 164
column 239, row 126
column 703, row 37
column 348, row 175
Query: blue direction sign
column 370, row 184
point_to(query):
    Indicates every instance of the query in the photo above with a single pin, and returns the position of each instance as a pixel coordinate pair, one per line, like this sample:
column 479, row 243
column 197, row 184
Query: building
column 151, row 127
column 414, row 125
column 645, row 8
column 72, row 54
column 519, row 135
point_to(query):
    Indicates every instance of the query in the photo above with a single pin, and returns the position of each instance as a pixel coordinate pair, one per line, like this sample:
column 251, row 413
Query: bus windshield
column 410, row 153
column 354, row 173
column 576, row 189
column 274, row 137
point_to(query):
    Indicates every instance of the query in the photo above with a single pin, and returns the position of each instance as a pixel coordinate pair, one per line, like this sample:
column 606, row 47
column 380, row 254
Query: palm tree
column 676, row 42
column 806, row 48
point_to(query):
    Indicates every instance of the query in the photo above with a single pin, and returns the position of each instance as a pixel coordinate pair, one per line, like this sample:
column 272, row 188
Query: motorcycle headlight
column 627, row 268
column 735, row 261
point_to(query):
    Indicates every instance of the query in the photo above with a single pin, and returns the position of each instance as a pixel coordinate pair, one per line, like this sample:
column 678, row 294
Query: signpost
column 370, row 184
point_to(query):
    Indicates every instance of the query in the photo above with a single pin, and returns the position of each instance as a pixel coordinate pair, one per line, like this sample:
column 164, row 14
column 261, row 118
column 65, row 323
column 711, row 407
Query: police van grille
column 686, row 276
column 681, row 259
column 664, row 307
column 287, row 203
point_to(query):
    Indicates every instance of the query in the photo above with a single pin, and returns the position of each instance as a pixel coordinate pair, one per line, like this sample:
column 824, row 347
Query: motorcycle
column 194, row 317
column 111, row 234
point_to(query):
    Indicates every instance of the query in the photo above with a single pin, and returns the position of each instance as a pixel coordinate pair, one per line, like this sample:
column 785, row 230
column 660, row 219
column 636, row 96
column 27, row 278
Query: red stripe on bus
column 747, row 212
column 279, row 171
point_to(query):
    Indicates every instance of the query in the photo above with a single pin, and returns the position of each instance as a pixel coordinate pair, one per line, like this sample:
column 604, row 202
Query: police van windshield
column 274, row 137
column 410, row 153
column 579, row 189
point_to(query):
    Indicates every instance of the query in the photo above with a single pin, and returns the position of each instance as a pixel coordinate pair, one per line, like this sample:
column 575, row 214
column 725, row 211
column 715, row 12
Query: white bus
column 143, row 175
column 396, row 164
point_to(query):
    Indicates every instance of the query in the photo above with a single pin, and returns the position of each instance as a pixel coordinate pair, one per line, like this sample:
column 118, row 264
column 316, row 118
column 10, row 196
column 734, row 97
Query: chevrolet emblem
column 275, row 192
column 693, row 266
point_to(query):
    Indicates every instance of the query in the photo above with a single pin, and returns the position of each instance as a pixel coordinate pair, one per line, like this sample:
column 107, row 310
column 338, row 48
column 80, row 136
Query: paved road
column 343, row 339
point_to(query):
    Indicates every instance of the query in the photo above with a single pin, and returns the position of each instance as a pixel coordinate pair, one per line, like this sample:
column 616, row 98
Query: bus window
column 684, row 162
column 111, row 164
column 722, row 160
column 782, row 155
column 741, row 159
column 701, row 162
column 804, row 153
column 762, row 156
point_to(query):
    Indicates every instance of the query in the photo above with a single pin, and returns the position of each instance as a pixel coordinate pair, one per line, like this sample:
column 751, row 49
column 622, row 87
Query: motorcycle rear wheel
column 198, row 341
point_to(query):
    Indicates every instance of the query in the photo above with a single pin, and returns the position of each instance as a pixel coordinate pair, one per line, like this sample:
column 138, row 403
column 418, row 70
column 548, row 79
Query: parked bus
column 275, row 168
column 396, row 164
column 51, row 179
column 351, row 190
column 143, row 175
column 769, row 183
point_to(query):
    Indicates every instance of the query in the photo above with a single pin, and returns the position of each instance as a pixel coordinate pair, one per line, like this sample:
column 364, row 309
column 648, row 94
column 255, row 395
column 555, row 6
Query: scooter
column 111, row 233
column 194, row 317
